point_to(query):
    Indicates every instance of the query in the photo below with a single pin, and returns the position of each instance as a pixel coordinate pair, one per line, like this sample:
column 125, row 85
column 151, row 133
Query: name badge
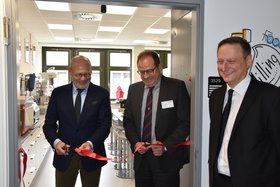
column 167, row 104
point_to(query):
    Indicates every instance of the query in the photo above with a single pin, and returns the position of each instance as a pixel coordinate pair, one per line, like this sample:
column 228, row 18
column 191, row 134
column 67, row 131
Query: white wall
column 221, row 19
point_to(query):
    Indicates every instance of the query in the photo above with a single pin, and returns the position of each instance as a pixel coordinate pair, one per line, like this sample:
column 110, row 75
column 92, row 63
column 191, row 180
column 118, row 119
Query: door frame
column 10, row 81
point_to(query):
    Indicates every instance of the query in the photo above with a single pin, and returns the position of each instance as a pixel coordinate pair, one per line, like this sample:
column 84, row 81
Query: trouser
column 149, row 174
column 68, row 178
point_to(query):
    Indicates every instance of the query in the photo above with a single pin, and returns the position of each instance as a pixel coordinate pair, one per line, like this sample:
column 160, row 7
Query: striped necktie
column 147, row 126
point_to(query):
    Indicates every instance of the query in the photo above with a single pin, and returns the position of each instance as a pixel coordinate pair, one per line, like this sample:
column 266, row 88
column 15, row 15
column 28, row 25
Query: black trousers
column 68, row 177
column 149, row 174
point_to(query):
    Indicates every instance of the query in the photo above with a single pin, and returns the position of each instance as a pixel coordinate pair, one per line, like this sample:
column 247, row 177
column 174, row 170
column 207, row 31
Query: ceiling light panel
column 156, row 31
column 60, row 27
column 110, row 29
column 65, row 39
column 52, row 6
column 121, row 10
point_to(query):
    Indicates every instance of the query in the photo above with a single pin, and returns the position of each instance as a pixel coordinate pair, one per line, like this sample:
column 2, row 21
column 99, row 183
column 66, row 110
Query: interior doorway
column 179, row 13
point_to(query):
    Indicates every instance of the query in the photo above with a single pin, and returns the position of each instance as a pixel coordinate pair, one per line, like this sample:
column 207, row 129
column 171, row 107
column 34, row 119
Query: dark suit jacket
column 254, row 146
column 95, row 123
column 172, row 124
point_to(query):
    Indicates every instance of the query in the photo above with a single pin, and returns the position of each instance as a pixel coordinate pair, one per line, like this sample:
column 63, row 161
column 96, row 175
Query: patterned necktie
column 226, row 114
column 148, row 117
column 78, row 104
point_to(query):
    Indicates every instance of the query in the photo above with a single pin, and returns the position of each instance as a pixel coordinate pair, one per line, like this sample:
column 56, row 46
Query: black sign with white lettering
column 214, row 83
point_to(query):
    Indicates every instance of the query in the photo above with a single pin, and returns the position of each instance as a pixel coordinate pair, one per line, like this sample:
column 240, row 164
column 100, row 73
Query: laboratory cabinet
column 36, row 147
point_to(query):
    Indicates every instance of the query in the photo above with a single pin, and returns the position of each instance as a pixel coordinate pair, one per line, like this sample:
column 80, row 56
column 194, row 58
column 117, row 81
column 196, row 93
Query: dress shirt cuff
column 91, row 145
column 55, row 142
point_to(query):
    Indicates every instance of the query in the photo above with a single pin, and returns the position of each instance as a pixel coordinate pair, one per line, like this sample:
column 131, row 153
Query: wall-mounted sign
column 214, row 83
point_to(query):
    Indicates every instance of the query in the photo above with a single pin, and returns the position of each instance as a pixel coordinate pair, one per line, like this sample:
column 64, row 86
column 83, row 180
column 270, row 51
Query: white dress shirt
column 237, row 98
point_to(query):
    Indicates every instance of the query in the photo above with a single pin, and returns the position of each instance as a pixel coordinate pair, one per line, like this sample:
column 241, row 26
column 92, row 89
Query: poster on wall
column 266, row 59
column 266, row 56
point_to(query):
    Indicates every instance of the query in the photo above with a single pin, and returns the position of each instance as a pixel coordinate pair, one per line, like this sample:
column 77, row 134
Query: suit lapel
column 139, row 91
column 87, row 103
column 163, row 88
column 68, row 102
column 245, row 105
column 219, row 104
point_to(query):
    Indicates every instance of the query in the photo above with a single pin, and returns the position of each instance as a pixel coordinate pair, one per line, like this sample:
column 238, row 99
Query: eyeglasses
column 80, row 75
column 148, row 71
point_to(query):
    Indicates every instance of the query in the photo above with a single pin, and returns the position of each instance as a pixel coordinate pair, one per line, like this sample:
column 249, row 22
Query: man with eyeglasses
column 156, row 118
column 78, row 116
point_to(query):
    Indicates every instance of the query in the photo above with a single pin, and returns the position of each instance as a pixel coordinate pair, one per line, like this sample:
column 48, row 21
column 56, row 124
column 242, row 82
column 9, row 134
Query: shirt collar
column 242, row 86
column 74, row 89
column 156, row 86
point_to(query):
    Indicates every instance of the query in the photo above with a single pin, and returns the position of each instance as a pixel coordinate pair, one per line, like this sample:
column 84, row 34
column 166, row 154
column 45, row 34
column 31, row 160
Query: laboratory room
column 109, row 37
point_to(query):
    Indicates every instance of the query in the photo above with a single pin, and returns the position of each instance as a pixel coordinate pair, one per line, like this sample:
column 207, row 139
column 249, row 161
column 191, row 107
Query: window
column 120, row 59
column 95, row 77
column 120, row 71
column 57, row 58
column 119, row 79
column 110, row 67
column 61, row 77
column 94, row 57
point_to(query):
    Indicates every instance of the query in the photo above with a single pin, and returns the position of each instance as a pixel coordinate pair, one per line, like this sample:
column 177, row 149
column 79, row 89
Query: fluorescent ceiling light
column 60, row 27
column 121, row 10
column 141, row 41
column 110, row 29
column 64, row 38
column 53, row 6
column 103, row 40
column 156, row 31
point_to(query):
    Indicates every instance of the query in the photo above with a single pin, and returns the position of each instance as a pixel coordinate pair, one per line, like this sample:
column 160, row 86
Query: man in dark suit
column 87, row 129
column 246, row 151
column 157, row 163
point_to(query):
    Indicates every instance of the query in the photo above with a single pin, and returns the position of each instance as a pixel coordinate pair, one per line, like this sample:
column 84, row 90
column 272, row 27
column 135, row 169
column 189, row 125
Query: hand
column 157, row 148
column 143, row 149
column 85, row 146
column 62, row 148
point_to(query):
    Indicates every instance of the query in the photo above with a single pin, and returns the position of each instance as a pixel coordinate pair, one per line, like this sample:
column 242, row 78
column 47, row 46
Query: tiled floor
column 46, row 176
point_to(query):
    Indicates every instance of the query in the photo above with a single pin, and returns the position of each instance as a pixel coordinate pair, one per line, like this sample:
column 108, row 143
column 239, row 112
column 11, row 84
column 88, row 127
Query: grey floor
column 46, row 175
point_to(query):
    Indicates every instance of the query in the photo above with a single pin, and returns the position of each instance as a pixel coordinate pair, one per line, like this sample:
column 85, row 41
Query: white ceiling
column 35, row 21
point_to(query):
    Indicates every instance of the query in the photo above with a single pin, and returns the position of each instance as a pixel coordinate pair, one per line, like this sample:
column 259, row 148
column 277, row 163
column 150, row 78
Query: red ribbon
column 100, row 157
column 23, row 159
